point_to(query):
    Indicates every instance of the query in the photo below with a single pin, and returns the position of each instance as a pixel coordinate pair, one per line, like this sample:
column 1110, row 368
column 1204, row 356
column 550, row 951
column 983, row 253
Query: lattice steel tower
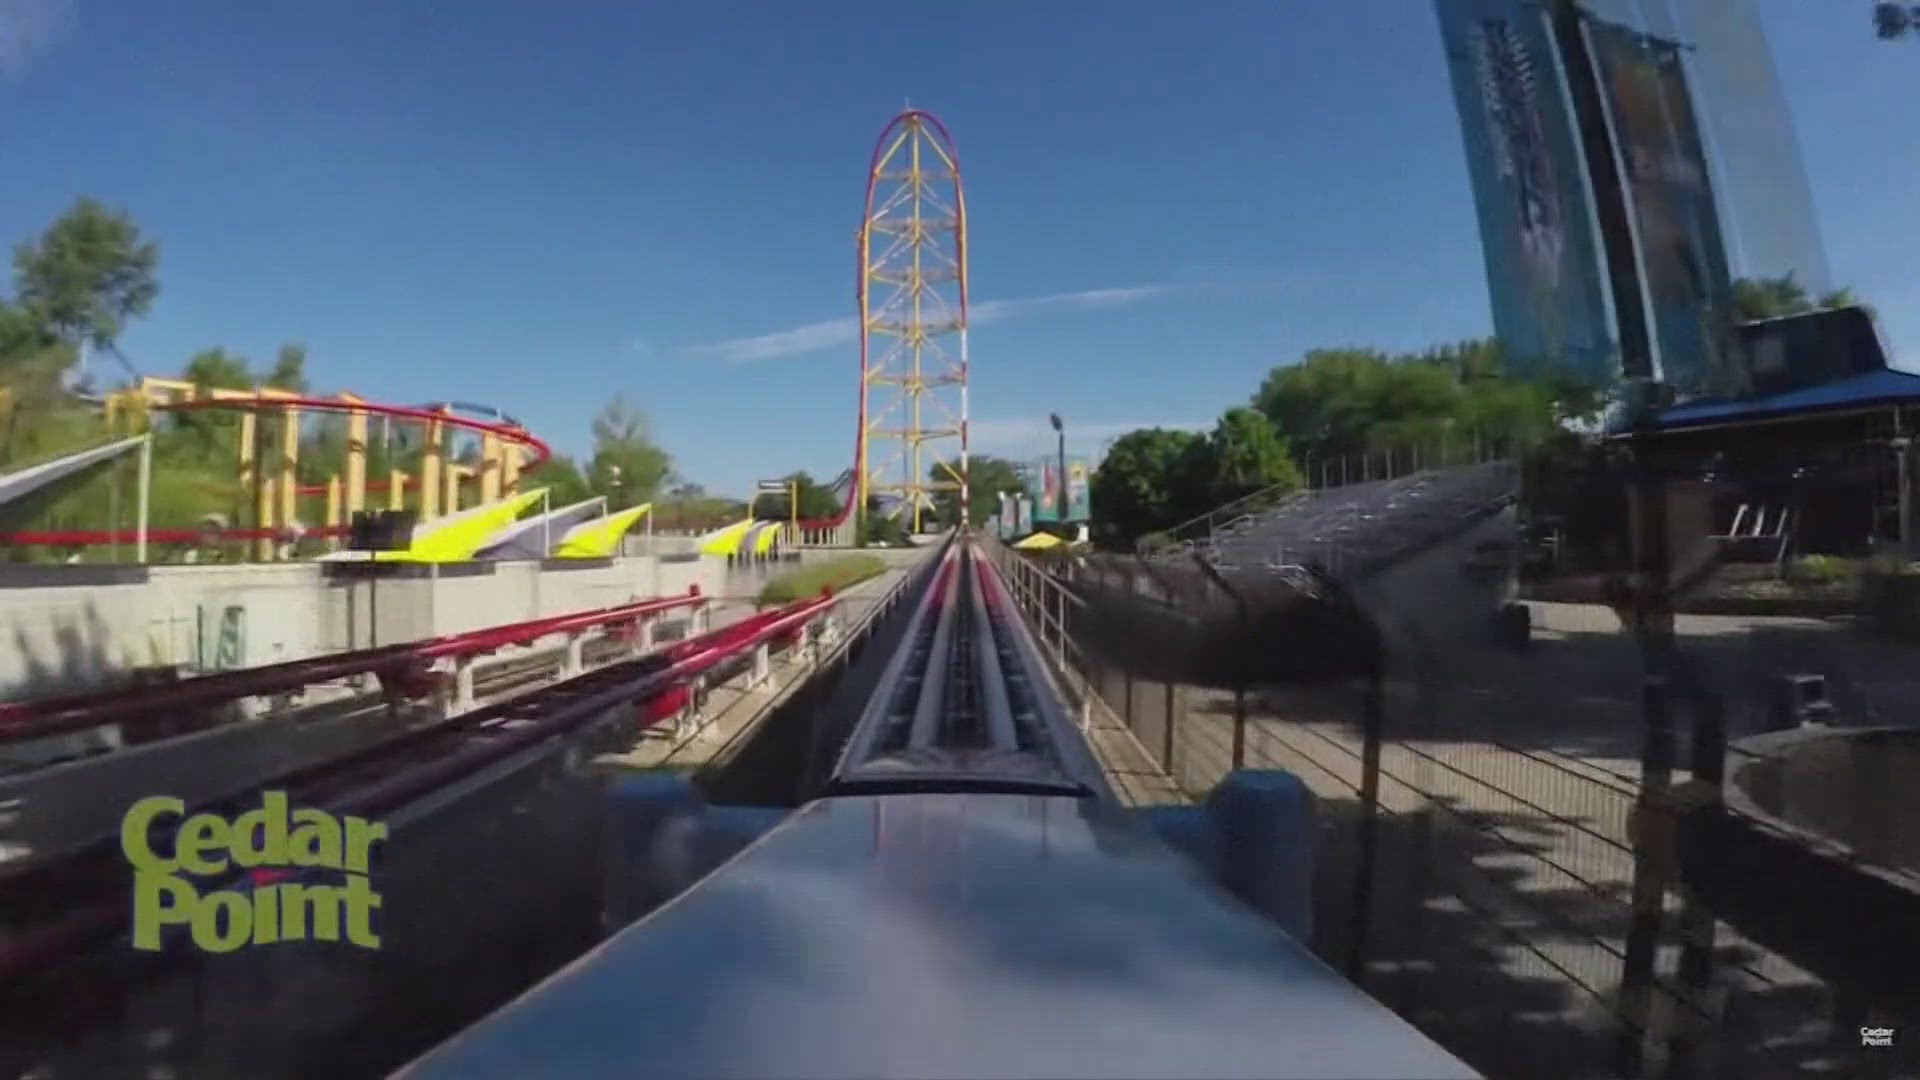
column 913, row 317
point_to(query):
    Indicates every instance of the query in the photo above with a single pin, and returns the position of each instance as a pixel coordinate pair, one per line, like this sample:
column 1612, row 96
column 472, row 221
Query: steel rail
column 994, row 697
column 984, row 712
column 884, row 700
column 932, row 704
column 1042, row 692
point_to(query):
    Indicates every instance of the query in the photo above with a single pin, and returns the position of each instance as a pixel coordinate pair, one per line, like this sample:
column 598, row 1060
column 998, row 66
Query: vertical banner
column 1079, row 506
column 1046, row 503
column 1676, row 223
column 1537, row 229
column 1022, row 515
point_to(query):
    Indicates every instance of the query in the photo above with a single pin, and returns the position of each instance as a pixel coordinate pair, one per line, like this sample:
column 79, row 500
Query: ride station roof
column 1822, row 365
column 1871, row 389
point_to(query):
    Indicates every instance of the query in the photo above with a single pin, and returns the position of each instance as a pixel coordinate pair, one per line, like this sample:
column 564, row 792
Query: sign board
column 1676, row 223
column 381, row 530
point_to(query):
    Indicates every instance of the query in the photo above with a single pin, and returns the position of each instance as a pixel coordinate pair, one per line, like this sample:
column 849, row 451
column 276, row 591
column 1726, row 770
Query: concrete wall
column 74, row 627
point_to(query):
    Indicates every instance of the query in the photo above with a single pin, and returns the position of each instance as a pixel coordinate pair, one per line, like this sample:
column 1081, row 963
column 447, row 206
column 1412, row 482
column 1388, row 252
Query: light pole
column 1060, row 482
column 613, row 500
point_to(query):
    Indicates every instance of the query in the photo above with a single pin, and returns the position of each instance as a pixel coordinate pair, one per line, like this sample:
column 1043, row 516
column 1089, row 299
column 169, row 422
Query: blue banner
column 1046, row 491
column 1537, row 232
column 1676, row 223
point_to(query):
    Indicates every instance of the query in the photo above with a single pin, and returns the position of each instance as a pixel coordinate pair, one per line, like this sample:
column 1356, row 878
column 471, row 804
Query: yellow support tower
column 913, row 316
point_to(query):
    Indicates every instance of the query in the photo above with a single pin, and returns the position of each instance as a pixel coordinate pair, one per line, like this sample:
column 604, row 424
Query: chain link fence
column 1525, row 834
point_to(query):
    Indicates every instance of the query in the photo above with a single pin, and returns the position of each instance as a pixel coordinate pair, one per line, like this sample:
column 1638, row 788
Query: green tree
column 1330, row 403
column 87, row 274
column 988, row 477
column 1769, row 298
column 628, row 467
column 880, row 529
column 289, row 369
column 563, row 476
column 816, row 501
column 1150, row 479
column 1755, row 299
column 1246, row 454
column 39, row 416
column 210, row 435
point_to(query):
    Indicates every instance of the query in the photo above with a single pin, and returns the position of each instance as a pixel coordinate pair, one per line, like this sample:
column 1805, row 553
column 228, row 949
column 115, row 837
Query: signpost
column 774, row 487
column 374, row 531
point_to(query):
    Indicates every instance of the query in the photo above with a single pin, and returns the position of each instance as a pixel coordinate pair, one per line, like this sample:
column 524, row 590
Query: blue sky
column 540, row 205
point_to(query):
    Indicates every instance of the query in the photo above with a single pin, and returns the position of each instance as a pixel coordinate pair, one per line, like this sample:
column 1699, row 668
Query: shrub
column 809, row 581
column 1821, row 569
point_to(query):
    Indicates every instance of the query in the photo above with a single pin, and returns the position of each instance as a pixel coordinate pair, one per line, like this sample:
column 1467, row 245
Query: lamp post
column 613, row 499
column 1060, row 482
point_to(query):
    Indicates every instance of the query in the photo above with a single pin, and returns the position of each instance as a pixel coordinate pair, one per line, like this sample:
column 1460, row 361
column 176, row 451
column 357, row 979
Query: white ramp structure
column 20, row 484
column 535, row 537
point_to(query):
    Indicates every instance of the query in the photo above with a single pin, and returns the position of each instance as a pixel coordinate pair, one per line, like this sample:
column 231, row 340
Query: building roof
column 1882, row 387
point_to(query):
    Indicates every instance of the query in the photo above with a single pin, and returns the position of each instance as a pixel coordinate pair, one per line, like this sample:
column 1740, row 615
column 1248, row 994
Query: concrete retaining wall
column 65, row 628
column 70, row 628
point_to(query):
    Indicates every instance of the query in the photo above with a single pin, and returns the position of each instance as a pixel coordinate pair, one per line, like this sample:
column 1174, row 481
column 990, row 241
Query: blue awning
column 1884, row 387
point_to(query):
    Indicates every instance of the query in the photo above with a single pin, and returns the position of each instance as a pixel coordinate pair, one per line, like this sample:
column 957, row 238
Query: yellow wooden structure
column 276, row 501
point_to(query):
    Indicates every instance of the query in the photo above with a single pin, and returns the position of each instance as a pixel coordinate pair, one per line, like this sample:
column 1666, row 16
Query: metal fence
column 1500, row 853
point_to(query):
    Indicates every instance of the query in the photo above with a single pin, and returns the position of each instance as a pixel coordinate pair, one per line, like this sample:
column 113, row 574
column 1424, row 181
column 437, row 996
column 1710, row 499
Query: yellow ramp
column 457, row 537
column 763, row 543
column 598, row 538
column 726, row 541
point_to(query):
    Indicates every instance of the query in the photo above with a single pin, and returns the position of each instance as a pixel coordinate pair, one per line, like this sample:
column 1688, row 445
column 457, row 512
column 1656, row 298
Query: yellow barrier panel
column 457, row 537
column 727, row 540
column 598, row 538
column 763, row 543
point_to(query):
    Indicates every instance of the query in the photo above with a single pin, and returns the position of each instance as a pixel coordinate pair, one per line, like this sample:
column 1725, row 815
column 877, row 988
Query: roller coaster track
column 966, row 701
column 54, row 911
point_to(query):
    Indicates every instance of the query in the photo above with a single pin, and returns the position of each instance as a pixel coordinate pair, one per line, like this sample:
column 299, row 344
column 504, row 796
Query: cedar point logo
column 303, row 878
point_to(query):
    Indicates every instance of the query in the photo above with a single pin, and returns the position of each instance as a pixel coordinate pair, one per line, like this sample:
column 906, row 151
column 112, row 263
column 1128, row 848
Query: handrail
column 1294, row 488
column 55, row 716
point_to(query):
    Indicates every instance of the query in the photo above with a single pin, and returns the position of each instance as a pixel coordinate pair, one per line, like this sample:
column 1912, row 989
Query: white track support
column 462, row 685
column 762, row 667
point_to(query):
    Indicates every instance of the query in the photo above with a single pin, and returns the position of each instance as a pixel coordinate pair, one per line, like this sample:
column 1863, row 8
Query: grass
column 809, row 581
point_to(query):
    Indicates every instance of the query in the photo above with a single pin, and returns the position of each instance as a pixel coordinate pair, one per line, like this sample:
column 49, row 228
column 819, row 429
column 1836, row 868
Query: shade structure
column 456, row 537
column 533, row 537
column 1040, row 541
column 597, row 538
column 725, row 541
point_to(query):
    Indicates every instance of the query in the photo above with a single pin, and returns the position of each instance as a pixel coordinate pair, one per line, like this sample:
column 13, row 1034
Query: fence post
column 1060, row 609
column 1168, row 740
column 1373, row 723
column 1239, row 728
column 1690, row 1054
column 1652, row 614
